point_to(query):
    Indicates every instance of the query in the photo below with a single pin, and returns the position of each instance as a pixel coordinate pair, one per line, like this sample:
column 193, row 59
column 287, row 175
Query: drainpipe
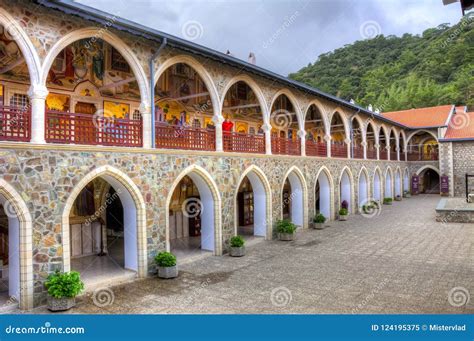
column 164, row 42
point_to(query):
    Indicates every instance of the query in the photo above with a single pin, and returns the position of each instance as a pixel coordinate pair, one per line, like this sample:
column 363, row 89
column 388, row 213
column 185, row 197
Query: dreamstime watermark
column 192, row 30
column 109, row 199
column 197, row 291
column 460, row 121
column 103, row 297
column 287, row 22
column 373, row 293
column 9, row 210
column 370, row 29
column 103, row 119
column 109, row 21
column 192, row 207
column 465, row 21
column 370, row 208
column 281, row 297
column 458, row 297
column 281, row 119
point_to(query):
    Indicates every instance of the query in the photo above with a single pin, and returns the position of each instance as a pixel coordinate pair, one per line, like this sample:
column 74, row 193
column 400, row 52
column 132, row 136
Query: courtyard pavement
column 399, row 261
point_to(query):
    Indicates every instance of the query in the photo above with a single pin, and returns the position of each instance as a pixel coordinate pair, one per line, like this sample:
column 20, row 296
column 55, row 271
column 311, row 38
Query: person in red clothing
column 227, row 126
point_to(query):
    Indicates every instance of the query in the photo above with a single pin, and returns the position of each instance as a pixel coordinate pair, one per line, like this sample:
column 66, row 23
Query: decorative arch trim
column 304, row 186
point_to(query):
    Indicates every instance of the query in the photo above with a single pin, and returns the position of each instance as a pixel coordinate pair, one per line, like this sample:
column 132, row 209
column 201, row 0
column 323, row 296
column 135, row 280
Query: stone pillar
column 377, row 148
column 218, row 120
column 327, row 138
column 348, row 143
column 37, row 94
column 387, row 148
column 398, row 155
column 364, row 146
column 302, row 136
column 267, row 129
column 147, row 128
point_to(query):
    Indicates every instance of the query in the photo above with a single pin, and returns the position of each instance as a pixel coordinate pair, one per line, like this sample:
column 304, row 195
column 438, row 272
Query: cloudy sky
column 284, row 35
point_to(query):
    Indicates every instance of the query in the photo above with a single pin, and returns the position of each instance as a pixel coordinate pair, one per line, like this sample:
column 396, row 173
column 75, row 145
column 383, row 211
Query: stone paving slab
column 399, row 261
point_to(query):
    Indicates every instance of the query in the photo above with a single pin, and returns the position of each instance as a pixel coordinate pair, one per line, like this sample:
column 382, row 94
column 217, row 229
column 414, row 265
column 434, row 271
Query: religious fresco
column 181, row 96
column 12, row 63
column 240, row 102
column 58, row 102
column 116, row 109
column 96, row 62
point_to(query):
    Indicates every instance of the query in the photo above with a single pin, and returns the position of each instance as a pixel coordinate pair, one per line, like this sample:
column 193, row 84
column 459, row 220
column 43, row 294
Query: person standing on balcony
column 227, row 126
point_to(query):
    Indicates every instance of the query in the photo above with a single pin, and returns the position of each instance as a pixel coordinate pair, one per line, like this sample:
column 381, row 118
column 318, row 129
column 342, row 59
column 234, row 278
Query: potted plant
column 167, row 267
column 63, row 287
column 286, row 230
column 387, row 201
column 319, row 220
column 343, row 213
column 237, row 246
column 398, row 198
column 407, row 194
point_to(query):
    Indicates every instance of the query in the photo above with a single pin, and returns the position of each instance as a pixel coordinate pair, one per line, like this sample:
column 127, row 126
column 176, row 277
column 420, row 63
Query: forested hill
column 393, row 73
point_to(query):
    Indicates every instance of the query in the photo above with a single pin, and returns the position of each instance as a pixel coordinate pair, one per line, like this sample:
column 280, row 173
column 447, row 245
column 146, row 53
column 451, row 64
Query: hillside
column 395, row 73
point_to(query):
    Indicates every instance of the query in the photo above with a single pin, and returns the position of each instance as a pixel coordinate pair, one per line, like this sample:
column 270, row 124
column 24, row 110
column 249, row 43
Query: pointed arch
column 398, row 182
column 300, row 201
column 130, row 196
column 326, row 187
column 210, row 196
column 377, row 188
column 25, row 45
column 420, row 131
column 262, row 200
column 375, row 129
column 406, row 180
column 338, row 111
column 23, row 264
column 323, row 112
column 112, row 39
column 293, row 101
column 256, row 90
column 421, row 169
column 388, row 183
column 201, row 71
column 346, row 188
column 363, row 188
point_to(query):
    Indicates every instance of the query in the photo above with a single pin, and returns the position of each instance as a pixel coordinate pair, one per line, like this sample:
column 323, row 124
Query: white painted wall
column 406, row 182
column 363, row 194
column 397, row 184
column 346, row 190
column 324, row 195
column 260, row 205
column 207, row 212
column 377, row 187
column 296, row 200
column 388, row 185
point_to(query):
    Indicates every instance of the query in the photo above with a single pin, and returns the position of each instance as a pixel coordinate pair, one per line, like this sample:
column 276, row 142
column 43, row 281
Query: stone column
column 218, row 120
column 37, row 94
column 377, row 148
column 147, row 128
column 267, row 129
column 387, row 148
column 327, row 138
column 398, row 154
column 302, row 136
column 364, row 146
column 348, row 143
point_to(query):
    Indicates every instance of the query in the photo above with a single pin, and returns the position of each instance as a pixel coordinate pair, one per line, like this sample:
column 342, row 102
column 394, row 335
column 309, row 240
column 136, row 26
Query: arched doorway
column 388, row 184
column 371, row 140
column 292, row 197
column 406, row 181
column 243, row 130
column 338, row 136
column 253, row 213
column 398, row 183
column 377, row 186
column 193, row 215
column 184, row 109
column 345, row 190
column 315, row 132
column 429, row 181
column 323, row 196
column 422, row 146
column 363, row 191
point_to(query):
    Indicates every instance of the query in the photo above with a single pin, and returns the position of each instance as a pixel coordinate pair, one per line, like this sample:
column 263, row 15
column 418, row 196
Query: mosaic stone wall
column 463, row 162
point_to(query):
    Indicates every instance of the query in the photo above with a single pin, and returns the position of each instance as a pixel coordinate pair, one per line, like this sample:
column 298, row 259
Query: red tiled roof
column 422, row 117
column 461, row 125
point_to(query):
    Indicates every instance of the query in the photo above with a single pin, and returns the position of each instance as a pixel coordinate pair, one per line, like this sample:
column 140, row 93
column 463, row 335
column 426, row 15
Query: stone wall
column 463, row 162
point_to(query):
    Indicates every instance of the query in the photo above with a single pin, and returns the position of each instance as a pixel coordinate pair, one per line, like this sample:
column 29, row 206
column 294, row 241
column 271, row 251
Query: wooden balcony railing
column 358, row 153
column 338, row 150
column 417, row 156
column 285, row 146
column 63, row 127
column 316, row 148
column 371, row 154
column 15, row 124
column 243, row 143
column 186, row 138
column 393, row 156
column 383, row 154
